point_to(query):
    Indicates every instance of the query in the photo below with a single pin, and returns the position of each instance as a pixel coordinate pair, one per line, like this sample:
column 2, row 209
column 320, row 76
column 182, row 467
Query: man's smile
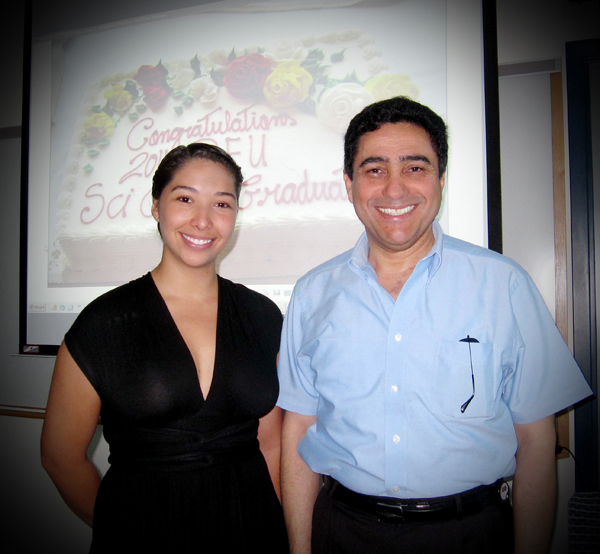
column 397, row 211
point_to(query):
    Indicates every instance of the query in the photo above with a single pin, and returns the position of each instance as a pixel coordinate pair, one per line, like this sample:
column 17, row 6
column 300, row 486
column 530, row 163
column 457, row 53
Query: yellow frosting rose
column 388, row 86
column 118, row 98
column 287, row 85
column 99, row 126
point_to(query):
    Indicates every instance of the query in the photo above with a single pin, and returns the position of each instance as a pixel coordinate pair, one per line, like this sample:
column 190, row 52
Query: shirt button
column 394, row 388
column 396, row 439
column 396, row 488
column 398, row 337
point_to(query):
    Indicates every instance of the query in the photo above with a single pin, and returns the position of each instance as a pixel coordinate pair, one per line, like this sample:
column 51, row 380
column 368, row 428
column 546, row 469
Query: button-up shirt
column 387, row 379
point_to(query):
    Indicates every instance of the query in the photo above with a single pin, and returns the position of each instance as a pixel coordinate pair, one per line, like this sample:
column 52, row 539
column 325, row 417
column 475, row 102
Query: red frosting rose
column 149, row 76
column 245, row 76
column 155, row 97
column 153, row 83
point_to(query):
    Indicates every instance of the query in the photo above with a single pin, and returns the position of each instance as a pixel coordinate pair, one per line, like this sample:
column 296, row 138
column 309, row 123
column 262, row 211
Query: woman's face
column 196, row 212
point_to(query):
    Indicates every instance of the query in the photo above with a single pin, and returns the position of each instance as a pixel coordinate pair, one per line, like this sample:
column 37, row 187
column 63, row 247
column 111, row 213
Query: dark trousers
column 339, row 529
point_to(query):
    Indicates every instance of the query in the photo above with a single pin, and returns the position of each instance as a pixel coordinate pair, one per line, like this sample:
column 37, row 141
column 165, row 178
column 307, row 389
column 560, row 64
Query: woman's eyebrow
column 224, row 193
column 192, row 189
column 184, row 187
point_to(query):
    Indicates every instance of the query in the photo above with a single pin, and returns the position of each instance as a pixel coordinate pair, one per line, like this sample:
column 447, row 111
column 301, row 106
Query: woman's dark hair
column 181, row 155
column 396, row 110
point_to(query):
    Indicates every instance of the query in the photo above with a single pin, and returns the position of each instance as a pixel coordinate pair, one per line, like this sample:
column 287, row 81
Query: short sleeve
column 108, row 334
column 296, row 377
column 546, row 378
column 257, row 314
column 82, row 341
column 271, row 319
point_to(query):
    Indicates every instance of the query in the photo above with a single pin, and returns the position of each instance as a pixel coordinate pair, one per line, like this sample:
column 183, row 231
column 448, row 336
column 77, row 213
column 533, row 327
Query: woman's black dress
column 186, row 473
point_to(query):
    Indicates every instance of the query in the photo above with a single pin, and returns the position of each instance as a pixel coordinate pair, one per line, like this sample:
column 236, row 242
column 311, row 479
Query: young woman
column 181, row 366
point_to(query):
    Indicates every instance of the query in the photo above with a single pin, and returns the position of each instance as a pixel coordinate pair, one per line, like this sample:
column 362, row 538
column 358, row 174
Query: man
column 417, row 371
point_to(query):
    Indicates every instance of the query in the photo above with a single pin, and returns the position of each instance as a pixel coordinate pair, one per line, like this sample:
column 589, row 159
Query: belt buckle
column 504, row 491
column 390, row 512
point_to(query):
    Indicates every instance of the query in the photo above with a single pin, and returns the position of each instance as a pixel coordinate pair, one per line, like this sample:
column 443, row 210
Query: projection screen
column 107, row 103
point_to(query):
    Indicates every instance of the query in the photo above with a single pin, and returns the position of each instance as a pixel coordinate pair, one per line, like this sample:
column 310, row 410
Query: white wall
column 527, row 205
column 527, row 184
column 532, row 31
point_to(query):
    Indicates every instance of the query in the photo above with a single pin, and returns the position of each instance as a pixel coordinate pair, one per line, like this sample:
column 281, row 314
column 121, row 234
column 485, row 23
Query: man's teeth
column 399, row 211
column 198, row 242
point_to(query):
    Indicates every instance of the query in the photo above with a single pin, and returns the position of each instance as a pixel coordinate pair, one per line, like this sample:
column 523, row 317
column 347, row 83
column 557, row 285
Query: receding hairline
column 408, row 157
column 400, row 109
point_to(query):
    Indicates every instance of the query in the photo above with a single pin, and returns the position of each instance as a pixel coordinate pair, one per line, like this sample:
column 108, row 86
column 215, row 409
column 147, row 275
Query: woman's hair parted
column 181, row 155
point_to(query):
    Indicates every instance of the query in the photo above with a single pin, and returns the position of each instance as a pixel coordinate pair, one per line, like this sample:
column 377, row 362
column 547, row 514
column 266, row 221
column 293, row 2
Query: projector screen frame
column 492, row 188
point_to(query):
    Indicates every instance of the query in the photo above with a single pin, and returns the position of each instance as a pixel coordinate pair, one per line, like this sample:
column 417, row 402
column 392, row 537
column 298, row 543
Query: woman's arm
column 70, row 423
column 269, row 438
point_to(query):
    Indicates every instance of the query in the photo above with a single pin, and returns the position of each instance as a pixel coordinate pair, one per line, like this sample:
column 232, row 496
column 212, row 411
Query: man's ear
column 443, row 180
column 348, row 182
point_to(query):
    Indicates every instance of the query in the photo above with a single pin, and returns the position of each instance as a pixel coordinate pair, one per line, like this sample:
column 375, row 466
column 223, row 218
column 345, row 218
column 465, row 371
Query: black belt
column 400, row 510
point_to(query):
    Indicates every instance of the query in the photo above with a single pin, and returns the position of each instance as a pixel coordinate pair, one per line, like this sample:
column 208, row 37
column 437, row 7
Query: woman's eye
column 223, row 205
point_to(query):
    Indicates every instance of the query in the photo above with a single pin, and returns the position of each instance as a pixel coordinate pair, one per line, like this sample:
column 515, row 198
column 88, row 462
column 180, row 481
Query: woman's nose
column 201, row 218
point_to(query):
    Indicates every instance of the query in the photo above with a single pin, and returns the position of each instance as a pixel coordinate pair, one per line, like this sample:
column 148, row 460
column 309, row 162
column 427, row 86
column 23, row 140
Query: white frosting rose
column 182, row 79
column 286, row 50
column 330, row 38
column 350, row 34
column 204, row 90
column 308, row 41
column 370, row 51
column 363, row 40
column 376, row 66
column 338, row 105
column 70, row 184
column 72, row 168
column 175, row 66
column 215, row 59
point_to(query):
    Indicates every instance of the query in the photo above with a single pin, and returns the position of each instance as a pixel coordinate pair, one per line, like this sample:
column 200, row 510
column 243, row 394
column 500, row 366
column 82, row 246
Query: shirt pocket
column 453, row 384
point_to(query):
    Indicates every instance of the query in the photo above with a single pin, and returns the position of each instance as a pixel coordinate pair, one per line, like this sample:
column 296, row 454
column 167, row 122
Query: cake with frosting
column 280, row 109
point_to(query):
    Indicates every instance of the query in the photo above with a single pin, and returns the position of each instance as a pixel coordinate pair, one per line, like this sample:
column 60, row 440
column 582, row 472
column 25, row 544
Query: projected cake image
column 279, row 108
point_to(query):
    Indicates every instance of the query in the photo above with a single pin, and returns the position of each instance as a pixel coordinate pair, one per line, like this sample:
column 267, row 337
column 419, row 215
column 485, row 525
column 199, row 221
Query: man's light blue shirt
column 387, row 379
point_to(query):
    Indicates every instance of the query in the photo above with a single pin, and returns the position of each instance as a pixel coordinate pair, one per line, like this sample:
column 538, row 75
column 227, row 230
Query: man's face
column 396, row 189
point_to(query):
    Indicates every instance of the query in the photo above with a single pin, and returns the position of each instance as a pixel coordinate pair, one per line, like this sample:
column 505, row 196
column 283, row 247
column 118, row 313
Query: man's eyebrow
column 374, row 159
column 416, row 158
column 383, row 159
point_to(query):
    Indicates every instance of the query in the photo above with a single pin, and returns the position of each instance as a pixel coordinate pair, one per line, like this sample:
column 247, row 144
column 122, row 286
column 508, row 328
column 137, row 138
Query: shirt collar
column 360, row 254
column 435, row 254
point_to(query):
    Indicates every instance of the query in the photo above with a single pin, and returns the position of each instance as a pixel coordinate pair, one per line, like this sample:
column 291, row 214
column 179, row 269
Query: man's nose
column 396, row 185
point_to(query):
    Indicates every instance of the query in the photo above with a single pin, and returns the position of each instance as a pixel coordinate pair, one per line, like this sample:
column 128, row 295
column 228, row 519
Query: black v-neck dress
column 186, row 473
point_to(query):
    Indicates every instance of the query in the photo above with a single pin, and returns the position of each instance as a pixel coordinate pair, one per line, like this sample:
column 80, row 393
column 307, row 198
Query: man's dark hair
column 400, row 109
